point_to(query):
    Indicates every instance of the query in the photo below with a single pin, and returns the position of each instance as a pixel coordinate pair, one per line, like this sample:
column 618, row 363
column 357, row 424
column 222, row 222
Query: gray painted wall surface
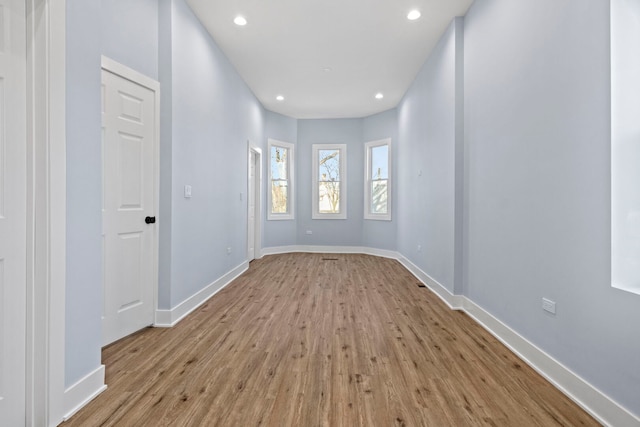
column 83, row 293
column 339, row 232
column 426, row 177
column 382, row 234
column 536, row 173
column 130, row 34
column 214, row 114
column 537, row 93
column 165, row 76
column 353, row 132
column 625, row 145
column 281, row 232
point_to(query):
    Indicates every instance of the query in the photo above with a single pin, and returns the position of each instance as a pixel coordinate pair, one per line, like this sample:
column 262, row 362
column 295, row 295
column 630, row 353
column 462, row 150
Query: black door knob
column 150, row 220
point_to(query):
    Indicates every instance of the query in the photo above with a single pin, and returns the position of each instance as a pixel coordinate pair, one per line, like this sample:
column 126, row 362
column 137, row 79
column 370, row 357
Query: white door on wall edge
column 129, row 203
column 13, row 212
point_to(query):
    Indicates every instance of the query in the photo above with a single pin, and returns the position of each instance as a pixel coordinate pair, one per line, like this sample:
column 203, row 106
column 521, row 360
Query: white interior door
column 251, row 200
column 13, row 212
column 129, row 239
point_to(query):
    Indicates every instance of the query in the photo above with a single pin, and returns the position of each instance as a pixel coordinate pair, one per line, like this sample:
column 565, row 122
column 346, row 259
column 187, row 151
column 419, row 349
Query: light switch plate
column 187, row 191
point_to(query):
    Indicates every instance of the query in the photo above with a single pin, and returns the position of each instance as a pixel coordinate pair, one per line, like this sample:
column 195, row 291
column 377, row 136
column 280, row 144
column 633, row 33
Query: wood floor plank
column 323, row 340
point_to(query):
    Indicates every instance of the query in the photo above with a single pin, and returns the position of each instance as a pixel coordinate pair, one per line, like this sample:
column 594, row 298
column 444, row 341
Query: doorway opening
column 254, row 203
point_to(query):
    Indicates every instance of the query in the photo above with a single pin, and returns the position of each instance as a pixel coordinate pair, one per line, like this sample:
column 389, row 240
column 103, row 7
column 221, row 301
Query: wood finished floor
column 323, row 340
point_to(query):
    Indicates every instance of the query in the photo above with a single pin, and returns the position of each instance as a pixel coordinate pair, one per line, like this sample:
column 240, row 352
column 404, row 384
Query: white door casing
column 129, row 203
column 251, row 200
column 13, row 212
column 254, row 202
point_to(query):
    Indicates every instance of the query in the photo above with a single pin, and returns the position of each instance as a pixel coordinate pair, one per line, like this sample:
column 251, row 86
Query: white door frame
column 46, row 211
column 134, row 76
column 257, row 243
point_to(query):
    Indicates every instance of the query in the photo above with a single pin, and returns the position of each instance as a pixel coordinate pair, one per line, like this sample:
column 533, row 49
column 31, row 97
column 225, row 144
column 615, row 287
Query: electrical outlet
column 419, row 248
column 229, row 250
column 548, row 305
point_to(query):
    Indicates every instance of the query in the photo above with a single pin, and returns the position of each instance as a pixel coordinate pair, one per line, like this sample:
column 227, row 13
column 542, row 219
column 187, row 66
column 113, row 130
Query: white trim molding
column 592, row 400
column 83, row 392
column 454, row 302
column 595, row 402
column 169, row 318
column 383, row 253
column 134, row 76
column 257, row 232
column 46, row 139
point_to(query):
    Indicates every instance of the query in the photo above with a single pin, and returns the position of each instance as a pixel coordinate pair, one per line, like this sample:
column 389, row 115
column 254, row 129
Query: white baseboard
column 455, row 302
column 82, row 392
column 592, row 400
column 168, row 318
column 384, row 253
column 275, row 250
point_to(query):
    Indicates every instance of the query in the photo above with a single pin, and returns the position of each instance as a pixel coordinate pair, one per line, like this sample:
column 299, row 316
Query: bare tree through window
column 279, row 180
column 329, row 181
column 329, row 189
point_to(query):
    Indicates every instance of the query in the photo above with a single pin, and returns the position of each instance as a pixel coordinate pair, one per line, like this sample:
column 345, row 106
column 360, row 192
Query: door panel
column 131, row 166
column 13, row 213
column 128, row 188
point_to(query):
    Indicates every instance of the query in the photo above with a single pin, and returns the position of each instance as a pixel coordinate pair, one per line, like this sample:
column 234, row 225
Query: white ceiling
column 287, row 46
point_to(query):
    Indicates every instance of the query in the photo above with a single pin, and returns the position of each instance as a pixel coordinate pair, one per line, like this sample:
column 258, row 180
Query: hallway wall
column 213, row 115
column 538, row 123
column 427, row 164
column 535, row 169
column 83, row 294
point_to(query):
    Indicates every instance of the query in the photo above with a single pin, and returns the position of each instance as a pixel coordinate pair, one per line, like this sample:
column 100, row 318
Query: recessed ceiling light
column 280, row 98
column 379, row 95
column 327, row 69
column 240, row 20
column 413, row 15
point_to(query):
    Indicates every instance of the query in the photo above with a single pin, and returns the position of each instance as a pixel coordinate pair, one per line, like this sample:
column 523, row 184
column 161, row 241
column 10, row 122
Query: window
column 377, row 181
column 281, row 203
column 329, row 181
column 625, row 145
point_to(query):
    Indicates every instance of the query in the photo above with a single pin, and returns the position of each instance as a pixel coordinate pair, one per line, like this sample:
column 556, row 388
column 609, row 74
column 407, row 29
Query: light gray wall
column 338, row 232
column 427, row 160
column 165, row 76
column 382, row 234
column 355, row 231
column 214, row 114
column 537, row 128
column 625, row 144
column 83, row 293
column 130, row 34
column 279, row 233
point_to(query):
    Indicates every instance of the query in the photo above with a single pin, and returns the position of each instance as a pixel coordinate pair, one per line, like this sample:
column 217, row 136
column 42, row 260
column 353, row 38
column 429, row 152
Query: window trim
column 315, row 213
column 368, row 146
column 291, row 206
